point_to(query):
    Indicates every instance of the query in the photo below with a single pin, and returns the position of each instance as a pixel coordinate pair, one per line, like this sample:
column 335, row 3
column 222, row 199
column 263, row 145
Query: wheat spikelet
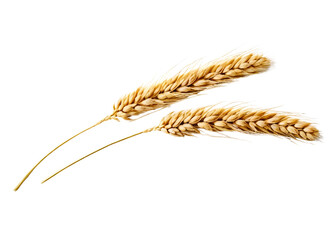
column 179, row 87
column 190, row 122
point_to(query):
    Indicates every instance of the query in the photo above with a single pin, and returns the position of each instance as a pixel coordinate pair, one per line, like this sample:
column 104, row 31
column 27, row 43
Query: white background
column 64, row 63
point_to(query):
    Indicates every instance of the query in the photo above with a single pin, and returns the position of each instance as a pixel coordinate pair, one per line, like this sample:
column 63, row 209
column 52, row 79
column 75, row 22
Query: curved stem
column 93, row 153
column 27, row 175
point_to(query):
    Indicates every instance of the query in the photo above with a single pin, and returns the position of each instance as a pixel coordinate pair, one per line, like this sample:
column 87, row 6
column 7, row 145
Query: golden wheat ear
column 179, row 87
column 190, row 122
column 27, row 175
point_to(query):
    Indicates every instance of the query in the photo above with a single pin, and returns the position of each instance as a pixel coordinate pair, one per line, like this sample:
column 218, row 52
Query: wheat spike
column 177, row 88
column 190, row 122
column 184, row 85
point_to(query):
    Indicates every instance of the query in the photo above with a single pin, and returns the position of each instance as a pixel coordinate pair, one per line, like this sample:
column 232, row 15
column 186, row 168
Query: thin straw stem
column 120, row 140
column 27, row 175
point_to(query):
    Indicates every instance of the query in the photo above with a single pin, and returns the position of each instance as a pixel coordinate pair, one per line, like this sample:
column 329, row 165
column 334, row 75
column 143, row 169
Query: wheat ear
column 190, row 122
column 184, row 85
column 177, row 88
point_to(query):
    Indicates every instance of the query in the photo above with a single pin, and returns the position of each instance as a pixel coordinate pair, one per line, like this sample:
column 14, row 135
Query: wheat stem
column 27, row 175
column 94, row 153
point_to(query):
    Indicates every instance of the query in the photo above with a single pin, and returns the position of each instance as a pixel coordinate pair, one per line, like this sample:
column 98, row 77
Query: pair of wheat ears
column 190, row 122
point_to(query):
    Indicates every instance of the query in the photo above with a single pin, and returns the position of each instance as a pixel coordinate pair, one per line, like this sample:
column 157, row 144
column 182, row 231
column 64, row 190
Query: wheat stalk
column 177, row 88
column 190, row 122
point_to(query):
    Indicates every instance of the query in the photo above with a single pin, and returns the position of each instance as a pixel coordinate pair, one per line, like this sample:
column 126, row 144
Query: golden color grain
column 179, row 87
